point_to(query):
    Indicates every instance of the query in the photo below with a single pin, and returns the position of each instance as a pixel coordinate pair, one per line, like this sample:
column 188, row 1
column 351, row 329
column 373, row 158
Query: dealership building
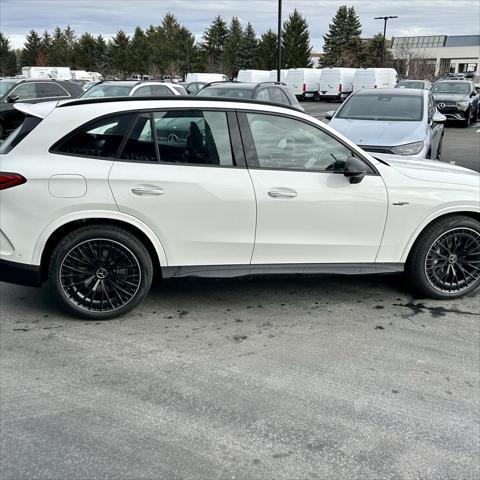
column 441, row 53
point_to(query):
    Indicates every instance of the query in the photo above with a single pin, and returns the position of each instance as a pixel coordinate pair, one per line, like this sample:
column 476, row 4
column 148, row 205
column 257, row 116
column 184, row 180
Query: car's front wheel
column 100, row 272
column 468, row 118
column 445, row 261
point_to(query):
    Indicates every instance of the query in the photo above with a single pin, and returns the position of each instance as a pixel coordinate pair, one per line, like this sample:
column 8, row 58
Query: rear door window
column 100, row 138
column 47, row 90
column 152, row 91
column 193, row 137
column 140, row 146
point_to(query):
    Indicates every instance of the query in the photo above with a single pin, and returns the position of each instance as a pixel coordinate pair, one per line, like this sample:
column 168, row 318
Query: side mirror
column 12, row 98
column 473, row 94
column 355, row 169
column 330, row 114
column 439, row 118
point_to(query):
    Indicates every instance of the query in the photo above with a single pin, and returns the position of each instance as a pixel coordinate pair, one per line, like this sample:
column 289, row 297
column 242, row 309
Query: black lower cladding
column 21, row 273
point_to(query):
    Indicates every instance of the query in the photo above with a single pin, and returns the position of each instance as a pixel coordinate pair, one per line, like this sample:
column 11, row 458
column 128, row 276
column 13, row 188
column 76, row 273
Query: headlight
column 408, row 149
column 462, row 104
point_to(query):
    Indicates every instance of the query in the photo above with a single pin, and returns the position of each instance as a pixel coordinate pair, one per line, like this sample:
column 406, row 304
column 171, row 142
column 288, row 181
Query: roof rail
column 176, row 98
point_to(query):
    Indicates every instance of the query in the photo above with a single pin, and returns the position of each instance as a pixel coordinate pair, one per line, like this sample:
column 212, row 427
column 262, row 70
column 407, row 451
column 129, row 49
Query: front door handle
column 147, row 190
column 282, row 192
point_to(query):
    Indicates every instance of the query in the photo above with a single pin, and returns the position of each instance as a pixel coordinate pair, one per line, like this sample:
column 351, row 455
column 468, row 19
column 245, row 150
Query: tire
column 444, row 261
column 100, row 272
column 468, row 119
column 316, row 97
column 2, row 131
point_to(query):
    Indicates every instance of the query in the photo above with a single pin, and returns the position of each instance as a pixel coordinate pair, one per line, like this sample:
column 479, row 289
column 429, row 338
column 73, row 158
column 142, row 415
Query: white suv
column 134, row 88
column 98, row 194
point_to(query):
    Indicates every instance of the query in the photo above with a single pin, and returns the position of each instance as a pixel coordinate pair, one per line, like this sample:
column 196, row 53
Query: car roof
column 229, row 85
column 410, row 92
column 411, row 80
column 179, row 98
column 121, row 83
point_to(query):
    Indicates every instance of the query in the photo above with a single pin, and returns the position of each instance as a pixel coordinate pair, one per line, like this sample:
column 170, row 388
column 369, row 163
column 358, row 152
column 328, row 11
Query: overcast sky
column 416, row 17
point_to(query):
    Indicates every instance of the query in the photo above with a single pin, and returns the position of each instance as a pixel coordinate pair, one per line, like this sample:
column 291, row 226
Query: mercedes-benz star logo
column 172, row 138
column 441, row 105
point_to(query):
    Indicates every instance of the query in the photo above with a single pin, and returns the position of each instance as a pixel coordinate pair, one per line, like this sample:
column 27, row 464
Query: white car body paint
column 209, row 215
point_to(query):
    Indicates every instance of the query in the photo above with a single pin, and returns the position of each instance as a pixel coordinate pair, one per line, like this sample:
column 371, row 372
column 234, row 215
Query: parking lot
column 269, row 378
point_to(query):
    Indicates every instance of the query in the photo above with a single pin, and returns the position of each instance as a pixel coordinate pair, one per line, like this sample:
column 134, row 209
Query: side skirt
column 230, row 271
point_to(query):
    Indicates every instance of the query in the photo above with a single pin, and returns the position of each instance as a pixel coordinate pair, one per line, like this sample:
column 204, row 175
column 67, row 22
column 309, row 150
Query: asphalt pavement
column 302, row 378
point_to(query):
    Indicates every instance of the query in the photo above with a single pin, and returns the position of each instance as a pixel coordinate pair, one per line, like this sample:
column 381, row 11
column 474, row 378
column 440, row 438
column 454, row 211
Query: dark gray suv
column 457, row 100
column 273, row 92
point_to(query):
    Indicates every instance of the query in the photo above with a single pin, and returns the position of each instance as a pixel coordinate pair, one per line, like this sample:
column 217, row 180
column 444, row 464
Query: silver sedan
column 394, row 121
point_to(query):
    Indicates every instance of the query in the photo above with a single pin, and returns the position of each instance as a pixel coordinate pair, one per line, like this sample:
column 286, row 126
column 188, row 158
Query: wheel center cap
column 452, row 259
column 101, row 274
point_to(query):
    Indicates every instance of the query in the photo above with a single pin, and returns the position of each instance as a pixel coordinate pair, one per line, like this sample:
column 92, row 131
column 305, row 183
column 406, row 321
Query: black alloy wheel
column 100, row 272
column 452, row 264
column 444, row 262
column 100, row 275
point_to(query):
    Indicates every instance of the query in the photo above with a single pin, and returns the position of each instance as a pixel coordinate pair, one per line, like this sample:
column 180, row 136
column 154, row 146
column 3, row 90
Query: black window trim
column 251, row 156
column 238, row 154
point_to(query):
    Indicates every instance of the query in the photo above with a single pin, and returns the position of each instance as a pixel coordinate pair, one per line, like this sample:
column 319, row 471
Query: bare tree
column 414, row 63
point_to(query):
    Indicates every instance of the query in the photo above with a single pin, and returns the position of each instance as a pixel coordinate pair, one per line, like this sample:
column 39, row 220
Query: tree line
column 170, row 48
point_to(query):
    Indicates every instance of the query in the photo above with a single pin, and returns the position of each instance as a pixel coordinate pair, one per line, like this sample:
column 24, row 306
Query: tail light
column 340, row 87
column 304, row 87
column 8, row 180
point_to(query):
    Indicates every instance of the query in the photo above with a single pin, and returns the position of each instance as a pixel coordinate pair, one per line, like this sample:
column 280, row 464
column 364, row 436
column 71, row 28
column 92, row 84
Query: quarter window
column 193, row 137
column 285, row 143
column 100, row 138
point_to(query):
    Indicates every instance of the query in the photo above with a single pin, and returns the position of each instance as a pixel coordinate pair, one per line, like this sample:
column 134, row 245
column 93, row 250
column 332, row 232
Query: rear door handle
column 282, row 192
column 147, row 190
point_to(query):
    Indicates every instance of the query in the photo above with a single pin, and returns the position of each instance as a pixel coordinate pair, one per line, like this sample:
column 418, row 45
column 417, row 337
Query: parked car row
column 111, row 191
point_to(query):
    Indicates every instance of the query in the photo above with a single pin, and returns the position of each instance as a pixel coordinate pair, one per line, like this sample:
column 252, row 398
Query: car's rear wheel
column 445, row 261
column 100, row 272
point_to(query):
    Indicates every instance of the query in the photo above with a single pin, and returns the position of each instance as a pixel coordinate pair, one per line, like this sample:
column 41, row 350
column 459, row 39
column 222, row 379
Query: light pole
column 385, row 20
column 279, row 41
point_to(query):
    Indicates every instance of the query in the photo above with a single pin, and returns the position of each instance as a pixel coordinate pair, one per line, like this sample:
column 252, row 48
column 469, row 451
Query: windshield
column 451, row 87
column 382, row 107
column 410, row 85
column 5, row 87
column 108, row 91
column 226, row 92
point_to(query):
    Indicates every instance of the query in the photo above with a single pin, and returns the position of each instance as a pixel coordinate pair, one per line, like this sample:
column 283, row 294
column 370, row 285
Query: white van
column 304, row 82
column 283, row 75
column 206, row 77
column 58, row 73
column 336, row 83
column 254, row 76
column 375, row 78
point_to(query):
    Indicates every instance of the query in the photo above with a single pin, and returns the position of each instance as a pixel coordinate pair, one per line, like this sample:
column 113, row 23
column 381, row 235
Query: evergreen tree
column 138, row 60
column 58, row 53
column 247, row 54
column 45, row 49
column 70, row 40
column 214, row 40
column 31, row 49
column 100, row 63
column 85, row 52
column 232, row 48
column 118, row 53
column 373, row 53
column 343, row 45
column 296, row 42
column 8, row 58
column 267, row 51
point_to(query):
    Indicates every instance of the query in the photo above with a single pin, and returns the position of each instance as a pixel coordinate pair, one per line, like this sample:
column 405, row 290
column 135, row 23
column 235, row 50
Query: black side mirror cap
column 355, row 169
column 12, row 98
column 329, row 114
